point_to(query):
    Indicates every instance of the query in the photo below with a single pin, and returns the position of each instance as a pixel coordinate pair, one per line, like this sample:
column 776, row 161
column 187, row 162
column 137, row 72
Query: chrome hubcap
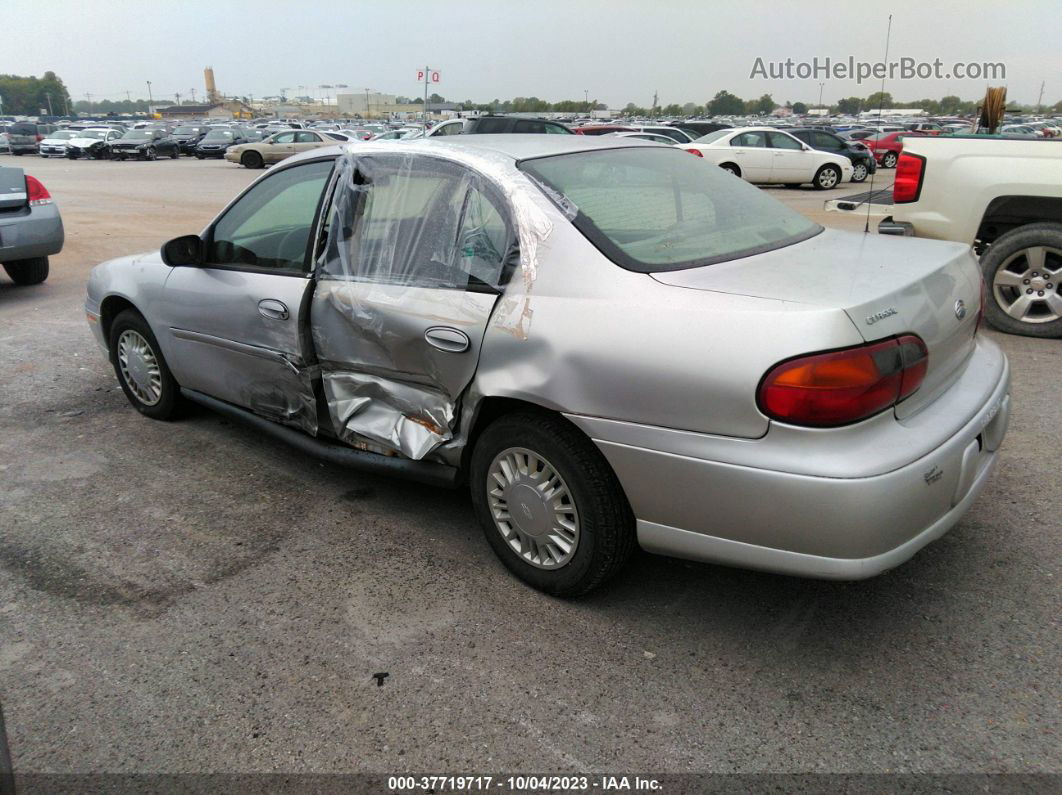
column 859, row 172
column 1026, row 285
column 828, row 178
column 140, row 369
column 532, row 508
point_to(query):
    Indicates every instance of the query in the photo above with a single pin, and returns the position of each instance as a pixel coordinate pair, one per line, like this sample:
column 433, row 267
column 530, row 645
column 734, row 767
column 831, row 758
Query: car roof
column 515, row 147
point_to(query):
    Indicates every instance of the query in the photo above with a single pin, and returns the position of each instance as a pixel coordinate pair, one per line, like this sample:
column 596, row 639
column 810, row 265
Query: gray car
column 31, row 228
column 611, row 342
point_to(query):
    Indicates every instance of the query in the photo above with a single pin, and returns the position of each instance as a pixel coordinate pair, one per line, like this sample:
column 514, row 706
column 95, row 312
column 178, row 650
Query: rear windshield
column 218, row 135
column 713, row 136
column 655, row 209
column 137, row 135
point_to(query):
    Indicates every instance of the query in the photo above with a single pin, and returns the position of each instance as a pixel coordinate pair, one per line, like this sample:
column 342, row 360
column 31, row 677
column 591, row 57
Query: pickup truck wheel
column 1023, row 272
column 827, row 177
column 27, row 271
column 888, row 160
column 859, row 172
column 141, row 369
column 550, row 505
column 251, row 160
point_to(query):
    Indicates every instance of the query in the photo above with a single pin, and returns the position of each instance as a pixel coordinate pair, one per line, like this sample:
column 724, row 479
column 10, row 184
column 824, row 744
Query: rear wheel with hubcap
column 859, row 172
column 151, row 154
column 141, row 368
column 889, row 159
column 550, row 505
column 731, row 168
column 251, row 160
column 1023, row 275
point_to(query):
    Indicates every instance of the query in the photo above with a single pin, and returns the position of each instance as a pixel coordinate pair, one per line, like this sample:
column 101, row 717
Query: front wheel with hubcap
column 827, row 177
column 859, row 172
column 141, row 368
column 1023, row 273
column 550, row 505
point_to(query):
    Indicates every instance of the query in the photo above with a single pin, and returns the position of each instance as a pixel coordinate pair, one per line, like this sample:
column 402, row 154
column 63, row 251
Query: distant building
column 229, row 109
column 883, row 112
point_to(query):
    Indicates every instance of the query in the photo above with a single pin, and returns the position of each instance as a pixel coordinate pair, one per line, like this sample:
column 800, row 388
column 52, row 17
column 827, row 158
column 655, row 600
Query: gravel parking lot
column 190, row 597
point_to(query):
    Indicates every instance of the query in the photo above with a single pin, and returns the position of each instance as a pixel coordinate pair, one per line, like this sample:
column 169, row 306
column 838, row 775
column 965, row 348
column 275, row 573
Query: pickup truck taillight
column 910, row 170
column 826, row 390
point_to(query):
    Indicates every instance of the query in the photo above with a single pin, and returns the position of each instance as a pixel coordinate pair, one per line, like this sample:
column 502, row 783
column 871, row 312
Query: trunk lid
column 887, row 287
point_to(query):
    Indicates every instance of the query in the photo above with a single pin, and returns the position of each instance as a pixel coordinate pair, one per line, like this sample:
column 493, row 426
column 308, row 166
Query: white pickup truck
column 1002, row 196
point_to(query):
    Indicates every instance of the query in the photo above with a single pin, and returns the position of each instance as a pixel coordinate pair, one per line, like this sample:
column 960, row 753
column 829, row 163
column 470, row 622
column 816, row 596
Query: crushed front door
column 416, row 253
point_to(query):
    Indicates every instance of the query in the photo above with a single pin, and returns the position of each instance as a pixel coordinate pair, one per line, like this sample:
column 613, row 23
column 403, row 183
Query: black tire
column 174, row 154
column 606, row 523
column 27, row 271
column 999, row 297
column 827, row 178
column 151, row 154
column 199, row 157
column 170, row 393
column 889, row 160
column 731, row 168
column 251, row 160
column 860, row 172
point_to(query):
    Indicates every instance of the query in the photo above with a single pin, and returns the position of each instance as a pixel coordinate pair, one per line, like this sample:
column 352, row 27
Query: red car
column 887, row 147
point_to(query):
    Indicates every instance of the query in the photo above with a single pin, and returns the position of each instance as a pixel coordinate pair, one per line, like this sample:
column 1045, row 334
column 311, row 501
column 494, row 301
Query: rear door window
column 749, row 139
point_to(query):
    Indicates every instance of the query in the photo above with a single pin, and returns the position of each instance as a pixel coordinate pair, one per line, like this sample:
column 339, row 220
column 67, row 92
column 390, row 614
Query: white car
column 765, row 155
column 54, row 144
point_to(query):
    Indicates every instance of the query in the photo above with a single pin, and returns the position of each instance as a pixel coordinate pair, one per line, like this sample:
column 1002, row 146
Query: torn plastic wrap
column 415, row 241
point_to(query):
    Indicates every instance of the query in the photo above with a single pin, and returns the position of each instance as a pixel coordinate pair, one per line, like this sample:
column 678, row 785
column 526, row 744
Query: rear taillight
column 696, row 152
column 38, row 194
column 841, row 387
column 909, row 173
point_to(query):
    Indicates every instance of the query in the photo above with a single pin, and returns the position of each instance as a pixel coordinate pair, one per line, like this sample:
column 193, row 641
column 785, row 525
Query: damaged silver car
column 612, row 343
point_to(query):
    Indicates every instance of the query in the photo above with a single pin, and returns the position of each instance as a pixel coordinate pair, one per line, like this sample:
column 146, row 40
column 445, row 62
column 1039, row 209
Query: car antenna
column 881, row 104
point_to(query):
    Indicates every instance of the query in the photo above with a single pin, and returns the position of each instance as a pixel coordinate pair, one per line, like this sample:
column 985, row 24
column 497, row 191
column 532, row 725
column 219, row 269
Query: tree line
column 32, row 96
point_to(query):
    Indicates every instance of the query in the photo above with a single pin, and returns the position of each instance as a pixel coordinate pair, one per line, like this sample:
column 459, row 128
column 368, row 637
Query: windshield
column 137, row 135
column 712, row 136
column 185, row 131
column 218, row 135
column 90, row 134
column 650, row 209
column 63, row 135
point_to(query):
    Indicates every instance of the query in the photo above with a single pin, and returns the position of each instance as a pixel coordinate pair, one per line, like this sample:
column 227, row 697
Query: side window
column 451, row 129
column 524, row 126
column 306, row 138
column 750, row 139
column 556, row 129
column 488, row 126
column 269, row 227
column 828, row 142
column 782, row 141
column 484, row 239
column 285, row 138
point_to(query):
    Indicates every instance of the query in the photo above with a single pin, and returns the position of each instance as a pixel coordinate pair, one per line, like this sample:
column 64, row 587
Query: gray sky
column 620, row 50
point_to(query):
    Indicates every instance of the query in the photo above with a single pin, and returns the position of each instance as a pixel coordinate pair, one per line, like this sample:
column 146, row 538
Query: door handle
column 447, row 339
column 272, row 309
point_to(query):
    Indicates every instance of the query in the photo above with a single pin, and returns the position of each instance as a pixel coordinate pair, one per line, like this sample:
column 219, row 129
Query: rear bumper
column 887, row 226
column 801, row 512
column 38, row 233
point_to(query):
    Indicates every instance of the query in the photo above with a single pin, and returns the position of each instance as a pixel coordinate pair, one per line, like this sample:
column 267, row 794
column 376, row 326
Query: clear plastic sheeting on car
column 418, row 238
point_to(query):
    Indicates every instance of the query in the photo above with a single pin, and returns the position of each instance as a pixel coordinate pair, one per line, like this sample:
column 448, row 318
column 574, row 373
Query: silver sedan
column 611, row 342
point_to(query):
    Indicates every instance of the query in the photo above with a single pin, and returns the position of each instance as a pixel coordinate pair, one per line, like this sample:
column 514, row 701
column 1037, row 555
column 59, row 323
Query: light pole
column 821, row 85
column 586, row 94
column 367, row 102
column 151, row 100
column 48, row 96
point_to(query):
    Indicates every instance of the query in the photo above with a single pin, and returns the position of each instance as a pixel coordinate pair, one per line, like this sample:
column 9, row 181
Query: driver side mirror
column 184, row 250
column 805, row 147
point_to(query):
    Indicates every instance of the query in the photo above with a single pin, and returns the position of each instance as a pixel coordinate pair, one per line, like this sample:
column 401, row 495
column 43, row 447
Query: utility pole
column 151, row 100
column 367, row 102
column 586, row 93
column 1040, row 99
column 821, row 86
column 127, row 97
column 193, row 95
column 178, row 95
column 66, row 99
column 48, row 96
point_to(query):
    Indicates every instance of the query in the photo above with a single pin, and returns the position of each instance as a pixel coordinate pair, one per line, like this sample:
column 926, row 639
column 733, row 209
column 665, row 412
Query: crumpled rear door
column 416, row 248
